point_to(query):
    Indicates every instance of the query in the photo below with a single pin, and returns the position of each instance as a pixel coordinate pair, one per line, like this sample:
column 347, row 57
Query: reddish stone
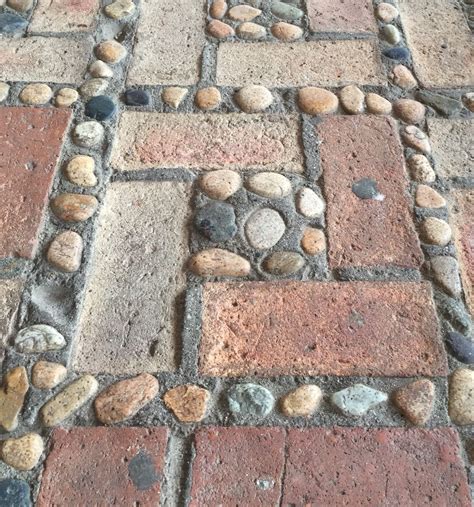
column 30, row 143
column 238, row 466
column 367, row 232
column 341, row 16
column 112, row 466
column 314, row 328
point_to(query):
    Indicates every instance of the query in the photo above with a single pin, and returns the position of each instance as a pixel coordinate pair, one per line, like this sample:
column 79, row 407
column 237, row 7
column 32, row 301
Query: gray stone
column 14, row 493
column 357, row 400
column 366, row 188
column 250, row 400
column 286, row 11
column 445, row 271
column 10, row 292
column 461, row 347
column 264, row 228
column 11, row 23
column 216, row 221
column 444, row 105
column 39, row 338
column 454, row 312
column 88, row 134
column 93, row 87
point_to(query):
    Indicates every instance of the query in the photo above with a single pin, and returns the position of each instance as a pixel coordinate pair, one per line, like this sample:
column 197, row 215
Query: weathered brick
column 231, row 141
column 341, row 16
column 64, row 16
column 315, row 63
column 440, row 42
column 30, row 143
column 129, row 321
column 238, row 466
column 44, row 59
column 170, row 41
column 291, row 328
column 104, row 466
column 366, row 232
column 10, row 292
column 451, row 142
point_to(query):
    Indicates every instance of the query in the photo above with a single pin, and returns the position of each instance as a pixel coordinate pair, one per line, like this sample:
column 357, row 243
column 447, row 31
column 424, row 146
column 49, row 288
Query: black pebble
column 216, row 221
column 100, row 108
column 136, row 98
column 461, row 347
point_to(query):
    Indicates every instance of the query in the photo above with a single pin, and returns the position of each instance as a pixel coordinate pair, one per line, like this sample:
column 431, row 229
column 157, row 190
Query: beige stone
column 65, row 251
column 219, row 262
column 4, row 90
column 80, row 171
column 416, row 401
column 36, row 94
column 403, row 77
column 46, row 375
column 377, row 104
column 271, row 185
column 66, row 97
column 308, row 203
column 119, row 9
column 317, row 101
column 416, row 138
column 352, row 99
column 111, row 51
column 100, row 69
column 410, row 111
column 74, row 207
column 243, row 13
column 20, row 5
column 302, row 402
column 461, row 396
column 386, row 12
column 15, row 385
column 284, row 263
column 218, row 9
column 286, row 32
column 435, row 231
column 220, row 184
column 187, row 402
column 254, row 98
column 420, row 169
column 173, row 96
column 23, row 453
column 313, row 241
column 219, row 29
column 251, row 31
column 427, row 197
column 93, row 87
column 208, row 99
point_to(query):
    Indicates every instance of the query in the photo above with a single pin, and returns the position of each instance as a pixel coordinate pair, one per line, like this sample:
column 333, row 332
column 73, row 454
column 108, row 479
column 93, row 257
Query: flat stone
column 38, row 338
column 386, row 12
column 62, row 16
column 340, row 16
column 93, row 87
column 357, row 400
column 12, row 395
column 219, row 29
column 243, row 13
column 66, row 97
column 216, row 221
column 462, row 348
column 36, row 94
column 119, row 9
column 250, row 400
column 270, row 185
column 445, row 271
column 367, row 188
column 309, row 204
column 352, row 99
column 220, row 184
column 46, row 375
column 264, row 228
column 122, row 400
column 286, row 11
column 284, row 263
column 435, row 231
column 377, row 104
column 455, row 312
column 218, row 262
column 11, row 23
column 74, row 207
column 410, row 111
column 304, row 401
column 392, row 34
column 137, row 97
column 286, row 32
column 403, row 77
column 444, row 105
column 316, row 101
column 208, row 99
column 173, row 96
column 100, row 108
column 416, row 139
column 253, row 98
column 65, row 252
column 416, row 401
column 69, row 400
column 20, row 5
column 313, row 241
column 100, row 69
column 110, row 51
column 15, row 493
column 80, row 171
column 4, row 90
column 420, row 169
column 187, row 402
column 427, row 197
column 218, row 9
column 23, row 453
column 10, row 295
column 251, row 31
column 397, row 53
column 461, row 397
column 88, row 134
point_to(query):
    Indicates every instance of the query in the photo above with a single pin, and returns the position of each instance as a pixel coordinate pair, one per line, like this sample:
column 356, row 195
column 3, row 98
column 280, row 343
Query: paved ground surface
column 236, row 253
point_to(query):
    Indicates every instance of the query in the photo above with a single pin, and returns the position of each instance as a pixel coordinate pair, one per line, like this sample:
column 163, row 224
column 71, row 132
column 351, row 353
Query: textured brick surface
column 341, row 16
column 30, row 143
column 266, row 329
column 170, row 41
column 44, row 59
column 231, row 141
column 64, row 15
column 10, row 292
column 440, row 42
column 318, row 63
column 104, row 466
column 451, row 141
column 366, row 232
column 238, row 466
column 129, row 320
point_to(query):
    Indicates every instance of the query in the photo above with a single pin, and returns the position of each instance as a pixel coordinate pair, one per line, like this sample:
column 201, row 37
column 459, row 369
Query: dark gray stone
column 366, row 188
column 101, row 108
column 142, row 472
column 14, row 493
column 249, row 400
column 137, row 98
column 10, row 23
column 216, row 221
column 461, row 347
column 454, row 312
column 446, row 106
column 401, row 54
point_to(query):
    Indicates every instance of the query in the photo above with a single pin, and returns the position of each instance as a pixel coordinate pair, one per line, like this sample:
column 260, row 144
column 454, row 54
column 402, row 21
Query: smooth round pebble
column 88, row 134
column 392, row 34
column 301, row 402
column 38, row 338
column 445, row 271
column 65, row 252
column 420, row 169
column 74, row 207
column 100, row 69
column 23, row 453
column 111, row 51
column 286, row 32
column 187, row 402
column 352, row 99
column 66, row 97
column 283, row 263
column 173, row 96
column 93, row 87
column 264, row 228
column 461, row 347
column 136, row 98
column 416, row 138
column 270, row 185
column 410, row 111
column 208, row 99
column 243, row 13
column 313, row 241
column 397, row 53
column 461, row 394
column 218, row 9
column 308, row 203
column 315, row 101
column 80, row 171
column 219, row 262
column 435, row 231
column 403, row 77
column 377, row 104
column 219, row 29
column 120, row 9
column 220, row 184
column 254, row 98
column 36, row 94
column 251, row 31
column 20, row 5
column 46, row 375
column 100, row 108
column 250, row 400
column 427, row 197
column 386, row 12
column 286, row 11
column 216, row 221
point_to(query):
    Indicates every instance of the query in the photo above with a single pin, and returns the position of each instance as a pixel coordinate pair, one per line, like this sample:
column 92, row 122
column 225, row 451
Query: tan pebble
column 377, row 104
column 416, row 138
column 46, row 375
column 188, row 402
column 208, row 99
column 12, row 395
column 313, row 241
column 219, row 29
column 427, row 197
column 254, row 98
column 119, row 9
column 410, row 111
column 36, row 94
column 317, row 101
column 302, row 402
column 386, row 12
column 461, row 396
column 286, row 32
column 352, row 99
column 218, row 9
column 271, row 185
column 251, row 31
column 416, row 401
column 80, row 171
column 218, row 262
column 468, row 99
column 65, row 251
column 66, row 97
column 435, row 231
column 402, row 77
column 100, row 69
column 284, row 263
column 4, row 89
column 220, row 184
column 20, row 5
column 420, row 169
column 23, row 453
column 74, row 207
column 243, row 13
column 110, row 51
column 173, row 96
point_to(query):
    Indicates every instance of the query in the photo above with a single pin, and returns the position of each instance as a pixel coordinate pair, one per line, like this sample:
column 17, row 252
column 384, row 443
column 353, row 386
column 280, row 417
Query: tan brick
column 316, row 63
column 341, row 16
column 292, row 328
column 440, row 42
column 44, row 59
column 170, row 40
column 129, row 321
column 214, row 141
column 64, row 16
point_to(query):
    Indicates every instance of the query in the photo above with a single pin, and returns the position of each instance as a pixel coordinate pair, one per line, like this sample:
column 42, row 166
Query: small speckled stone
column 445, row 271
column 416, row 139
column 286, row 11
column 420, row 169
column 416, row 401
column 286, row 32
column 216, row 221
column 65, row 252
column 401, row 54
column 377, row 104
column 250, row 400
column 218, row 9
column 11, row 23
column 4, row 89
column 69, row 400
column 12, row 395
column 243, row 13
column 352, row 99
column 309, row 204
column 20, row 5
column 93, row 87
column 410, row 111
column 357, row 400
column 36, row 94
column 386, row 12
column 435, row 231
column 66, row 97
column 218, row 262
column 462, row 348
column 110, row 51
column 403, row 77
column 74, row 207
column 119, row 9
column 220, row 184
column 208, row 99
column 284, row 263
column 137, row 98
column 15, row 493
column 302, row 402
column 427, row 197
column 46, row 375
column 314, row 101
column 313, row 241
column 219, row 29
column 469, row 101
column 100, row 108
column 271, row 185
column 80, row 171
column 391, row 34
column 461, row 397
column 173, row 96
column 23, row 453
column 251, row 31
column 88, row 134
column 38, row 338
column 187, row 402
column 100, row 69
column 264, row 228
column 253, row 98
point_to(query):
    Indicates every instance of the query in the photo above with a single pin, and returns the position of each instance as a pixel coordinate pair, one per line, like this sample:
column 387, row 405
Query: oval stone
column 218, row 262
column 219, row 29
column 220, row 184
column 88, row 134
column 415, row 138
column 314, row 101
column 313, row 241
column 462, row 348
column 302, row 402
column 111, row 51
column 286, row 32
column 264, row 228
column 377, row 104
column 352, row 99
column 93, row 87
column 39, row 338
column 65, row 252
column 427, row 197
column 66, row 97
column 286, row 11
column 250, row 400
column 309, row 204
column 74, row 207
column 23, row 453
column 80, row 171
column 461, row 392
column 435, row 231
column 403, row 77
column 218, row 9
column 271, row 185
column 46, row 375
column 410, row 111
column 208, row 98
column 243, row 13
column 253, row 98
column 251, row 31
column 420, row 169
column 100, row 108
column 36, row 94
column 284, row 263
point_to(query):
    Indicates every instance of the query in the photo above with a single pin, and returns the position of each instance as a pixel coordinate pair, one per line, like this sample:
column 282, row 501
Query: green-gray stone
column 39, row 338
column 446, row 106
column 391, row 34
column 286, row 11
column 357, row 400
column 250, row 400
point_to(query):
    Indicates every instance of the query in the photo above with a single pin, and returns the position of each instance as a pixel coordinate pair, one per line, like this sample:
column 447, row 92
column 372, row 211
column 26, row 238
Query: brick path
column 236, row 253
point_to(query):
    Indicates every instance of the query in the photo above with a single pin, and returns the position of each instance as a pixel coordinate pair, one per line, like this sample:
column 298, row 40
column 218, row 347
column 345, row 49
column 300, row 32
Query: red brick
column 366, row 232
column 314, row 328
column 229, row 463
column 104, row 466
column 30, row 143
column 341, row 16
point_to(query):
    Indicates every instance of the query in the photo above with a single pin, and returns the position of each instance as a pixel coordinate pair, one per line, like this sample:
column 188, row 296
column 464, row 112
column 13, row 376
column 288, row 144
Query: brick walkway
column 236, row 253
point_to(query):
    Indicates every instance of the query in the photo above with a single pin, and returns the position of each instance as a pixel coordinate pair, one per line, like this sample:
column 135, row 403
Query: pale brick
column 64, row 16
column 316, row 63
column 129, row 322
column 341, row 16
column 214, row 141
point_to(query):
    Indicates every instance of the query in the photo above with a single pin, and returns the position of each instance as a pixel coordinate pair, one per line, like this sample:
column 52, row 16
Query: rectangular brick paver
column 319, row 63
column 30, row 144
column 170, row 41
column 313, row 328
column 341, row 16
column 104, row 466
column 47, row 59
column 366, row 232
column 64, row 15
column 440, row 41
column 129, row 319
column 233, row 141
